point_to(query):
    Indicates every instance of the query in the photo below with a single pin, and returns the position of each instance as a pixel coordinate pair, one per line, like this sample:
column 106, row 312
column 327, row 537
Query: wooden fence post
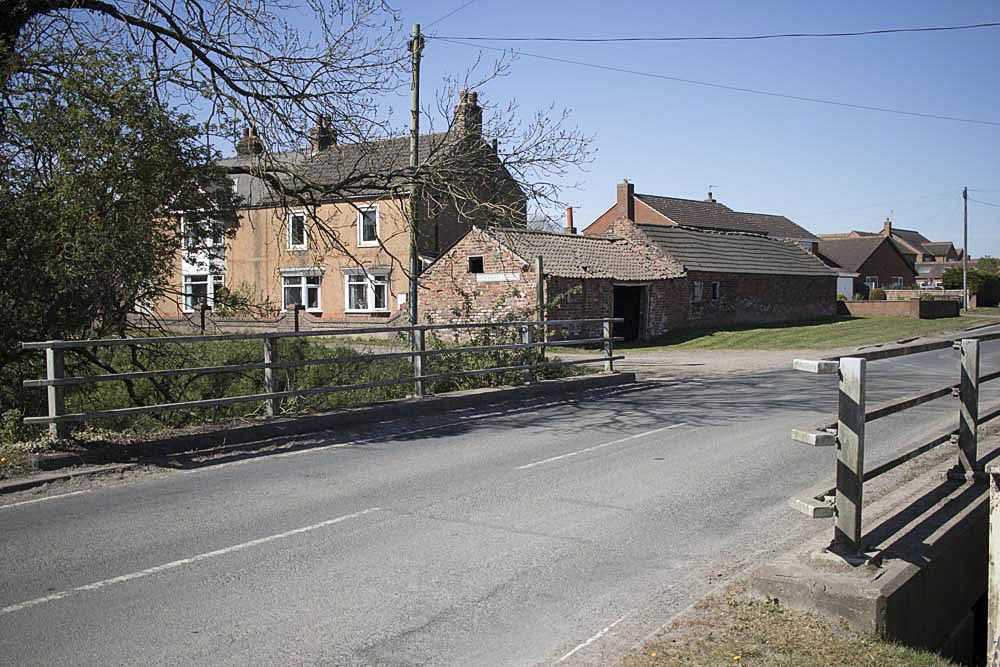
column 968, row 412
column 609, row 347
column 527, row 339
column 993, row 570
column 54, row 370
column 273, row 405
column 420, row 341
column 850, row 455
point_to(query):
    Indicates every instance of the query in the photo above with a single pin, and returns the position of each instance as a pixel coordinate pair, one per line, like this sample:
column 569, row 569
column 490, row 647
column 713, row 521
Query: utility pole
column 416, row 46
column 965, row 246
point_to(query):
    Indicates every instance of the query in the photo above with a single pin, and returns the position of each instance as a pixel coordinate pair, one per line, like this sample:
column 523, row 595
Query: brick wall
column 755, row 298
column 449, row 293
column 914, row 308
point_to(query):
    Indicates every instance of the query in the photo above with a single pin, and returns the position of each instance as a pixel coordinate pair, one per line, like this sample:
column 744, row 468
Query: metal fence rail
column 848, row 433
column 55, row 380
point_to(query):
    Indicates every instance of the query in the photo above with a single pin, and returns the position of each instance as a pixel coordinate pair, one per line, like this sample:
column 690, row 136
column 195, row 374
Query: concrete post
column 609, row 347
column 526, row 338
column 54, row 370
column 993, row 572
column 850, row 455
column 968, row 444
column 272, row 406
column 420, row 341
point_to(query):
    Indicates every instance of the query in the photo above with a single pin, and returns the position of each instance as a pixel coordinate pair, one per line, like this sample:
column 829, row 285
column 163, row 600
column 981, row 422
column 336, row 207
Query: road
column 530, row 533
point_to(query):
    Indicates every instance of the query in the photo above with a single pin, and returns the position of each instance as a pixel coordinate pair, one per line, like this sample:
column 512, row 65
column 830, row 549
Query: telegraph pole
column 416, row 46
column 965, row 246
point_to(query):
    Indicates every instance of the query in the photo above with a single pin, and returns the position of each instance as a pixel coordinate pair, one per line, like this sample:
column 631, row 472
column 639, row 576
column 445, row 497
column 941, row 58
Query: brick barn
column 656, row 277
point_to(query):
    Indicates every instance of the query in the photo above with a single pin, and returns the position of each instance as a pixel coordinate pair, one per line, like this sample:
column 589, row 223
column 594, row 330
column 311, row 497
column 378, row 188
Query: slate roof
column 734, row 252
column 577, row 256
column 713, row 215
column 938, row 248
column 333, row 164
column 915, row 240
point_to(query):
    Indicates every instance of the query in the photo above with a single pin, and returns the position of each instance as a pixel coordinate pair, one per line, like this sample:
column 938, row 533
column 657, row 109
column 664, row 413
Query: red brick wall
column 886, row 263
column 449, row 293
column 757, row 298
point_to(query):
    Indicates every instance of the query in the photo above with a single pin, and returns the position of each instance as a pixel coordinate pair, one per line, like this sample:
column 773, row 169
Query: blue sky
column 828, row 168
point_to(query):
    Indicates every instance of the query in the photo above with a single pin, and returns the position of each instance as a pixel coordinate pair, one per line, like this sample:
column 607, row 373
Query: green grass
column 733, row 629
column 824, row 334
column 994, row 310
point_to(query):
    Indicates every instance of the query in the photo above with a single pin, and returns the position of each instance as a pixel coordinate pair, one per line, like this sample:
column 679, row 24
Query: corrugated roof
column 695, row 213
column 573, row 256
column 734, row 252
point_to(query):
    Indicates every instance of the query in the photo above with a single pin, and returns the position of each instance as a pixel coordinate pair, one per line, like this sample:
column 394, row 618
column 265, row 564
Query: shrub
column 877, row 294
column 926, row 297
column 859, row 297
column 841, row 297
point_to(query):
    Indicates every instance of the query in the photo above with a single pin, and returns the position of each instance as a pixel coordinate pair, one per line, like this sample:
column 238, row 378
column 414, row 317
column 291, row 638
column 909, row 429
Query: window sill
column 368, row 244
column 380, row 311
column 296, row 248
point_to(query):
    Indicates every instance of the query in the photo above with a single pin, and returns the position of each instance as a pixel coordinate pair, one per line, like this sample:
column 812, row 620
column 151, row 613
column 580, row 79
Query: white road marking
column 606, row 444
column 179, row 563
column 591, row 640
column 42, row 500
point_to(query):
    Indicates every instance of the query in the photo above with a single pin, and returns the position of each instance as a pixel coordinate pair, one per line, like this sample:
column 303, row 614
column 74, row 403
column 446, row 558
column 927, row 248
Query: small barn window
column 715, row 291
column 475, row 265
column 696, row 291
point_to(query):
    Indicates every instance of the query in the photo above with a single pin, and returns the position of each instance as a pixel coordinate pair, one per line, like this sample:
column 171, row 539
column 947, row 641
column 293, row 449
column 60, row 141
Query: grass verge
column 732, row 628
column 823, row 334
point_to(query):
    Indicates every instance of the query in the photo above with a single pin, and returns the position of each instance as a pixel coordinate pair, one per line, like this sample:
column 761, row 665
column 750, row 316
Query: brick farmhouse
column 874, row 261
column 343, row 255
column 657, row 277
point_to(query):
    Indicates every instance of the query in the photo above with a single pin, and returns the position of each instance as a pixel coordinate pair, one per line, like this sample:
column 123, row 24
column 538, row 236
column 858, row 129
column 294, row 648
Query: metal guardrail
column 55, row 379
column 848, row 433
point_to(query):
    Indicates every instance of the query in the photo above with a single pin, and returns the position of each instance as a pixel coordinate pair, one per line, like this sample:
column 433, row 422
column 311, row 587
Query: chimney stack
column 887, row 229
column 570, row 229
column 626, row 200
column 710, row 199
column 249, row 143
column 322, row 136
column 468, row 114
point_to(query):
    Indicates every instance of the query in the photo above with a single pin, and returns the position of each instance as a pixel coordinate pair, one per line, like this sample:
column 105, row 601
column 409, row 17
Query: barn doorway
column 628, row 305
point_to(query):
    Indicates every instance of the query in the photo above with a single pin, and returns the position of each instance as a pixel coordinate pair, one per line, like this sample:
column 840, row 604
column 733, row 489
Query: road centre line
column 591, row 640
column 179, row 563
column 606, row 444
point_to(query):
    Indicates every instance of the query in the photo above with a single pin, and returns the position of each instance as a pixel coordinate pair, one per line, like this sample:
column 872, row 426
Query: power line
column 454, row 11
column 720, row 38
column 722, row 86
column 983, row 202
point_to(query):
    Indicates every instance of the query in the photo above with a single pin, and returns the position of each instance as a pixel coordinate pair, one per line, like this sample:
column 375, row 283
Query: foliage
column 89, row 166
column 841, row 297
column 877, row 294
column 985, row 286
column 989, row 266
column 925, row 296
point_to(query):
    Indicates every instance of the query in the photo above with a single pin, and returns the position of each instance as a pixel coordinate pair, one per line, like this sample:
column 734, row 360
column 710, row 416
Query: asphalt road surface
column 529, row 533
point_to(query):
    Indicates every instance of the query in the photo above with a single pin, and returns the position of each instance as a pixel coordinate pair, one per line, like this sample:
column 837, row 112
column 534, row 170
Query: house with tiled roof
column 656, row 277
column 708, row 214
column 338, row 247
column 874, row 261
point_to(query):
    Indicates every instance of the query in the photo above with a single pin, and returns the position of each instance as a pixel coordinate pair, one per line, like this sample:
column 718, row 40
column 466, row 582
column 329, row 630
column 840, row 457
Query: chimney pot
column 468, row 114
column 887, row 229
column 249, row 143
column 710, row 198
column 570, row 229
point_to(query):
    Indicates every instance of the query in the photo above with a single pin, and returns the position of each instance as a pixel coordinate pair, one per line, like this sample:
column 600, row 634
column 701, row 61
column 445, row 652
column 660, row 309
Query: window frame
column 697, row 291
column 212, row 282
column 897, row 282
column 371, row 281
column 292, row 216
column 716, row 290
column 482, row 263
column 871, row 282
column 303, row 286
column 361, row 223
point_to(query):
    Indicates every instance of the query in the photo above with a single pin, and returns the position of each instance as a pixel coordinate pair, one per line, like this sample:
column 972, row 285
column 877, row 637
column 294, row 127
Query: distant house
column 338, row 254
column 875, row 261
column 657, row 277
column 704, row 214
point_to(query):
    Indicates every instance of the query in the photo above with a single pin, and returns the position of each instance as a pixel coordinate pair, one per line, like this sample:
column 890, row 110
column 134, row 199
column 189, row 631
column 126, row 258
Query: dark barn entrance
column 628, row 305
